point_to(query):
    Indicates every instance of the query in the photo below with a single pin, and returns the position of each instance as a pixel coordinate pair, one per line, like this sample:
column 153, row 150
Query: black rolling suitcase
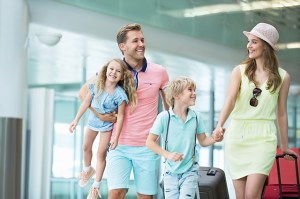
column 212, row 183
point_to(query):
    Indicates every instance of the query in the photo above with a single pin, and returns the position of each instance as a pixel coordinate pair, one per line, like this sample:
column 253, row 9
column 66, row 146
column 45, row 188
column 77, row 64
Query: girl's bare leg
column 101, row 163
column 101, row 154
column 88, row 171
column 89, row 138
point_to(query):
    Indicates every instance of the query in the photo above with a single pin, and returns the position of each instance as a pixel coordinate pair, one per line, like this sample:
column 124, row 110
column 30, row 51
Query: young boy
column 180, row 126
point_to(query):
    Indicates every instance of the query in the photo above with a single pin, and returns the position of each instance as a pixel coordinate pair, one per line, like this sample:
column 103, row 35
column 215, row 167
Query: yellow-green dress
column 251, row 138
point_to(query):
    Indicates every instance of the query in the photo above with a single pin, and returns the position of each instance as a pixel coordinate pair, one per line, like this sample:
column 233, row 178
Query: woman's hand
column 287, row 152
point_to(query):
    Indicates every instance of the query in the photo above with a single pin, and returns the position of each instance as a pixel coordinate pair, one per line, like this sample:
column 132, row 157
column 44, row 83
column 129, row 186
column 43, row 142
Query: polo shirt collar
column 190, row 113
column 144, row 67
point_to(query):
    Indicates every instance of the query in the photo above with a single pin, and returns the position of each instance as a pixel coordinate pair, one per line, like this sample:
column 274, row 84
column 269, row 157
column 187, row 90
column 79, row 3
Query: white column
column 13, row 58
column 40, row 125
column 13, row 89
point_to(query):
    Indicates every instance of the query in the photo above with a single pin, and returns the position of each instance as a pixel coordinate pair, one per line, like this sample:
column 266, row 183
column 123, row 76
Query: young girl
column 113, row 88
column 179, row 127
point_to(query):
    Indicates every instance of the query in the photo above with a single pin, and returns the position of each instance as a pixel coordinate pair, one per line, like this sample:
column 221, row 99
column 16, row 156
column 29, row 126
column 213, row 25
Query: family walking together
column 124, row 98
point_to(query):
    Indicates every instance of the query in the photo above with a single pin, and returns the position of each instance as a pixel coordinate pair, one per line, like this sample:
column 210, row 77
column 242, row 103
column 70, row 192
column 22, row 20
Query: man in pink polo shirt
column 131, row 152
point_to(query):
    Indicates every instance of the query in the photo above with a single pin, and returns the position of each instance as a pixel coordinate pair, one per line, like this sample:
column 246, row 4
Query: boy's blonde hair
column 176, row 87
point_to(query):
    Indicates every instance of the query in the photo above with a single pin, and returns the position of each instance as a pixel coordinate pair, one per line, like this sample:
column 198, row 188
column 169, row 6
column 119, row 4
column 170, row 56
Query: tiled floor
column 68, row 189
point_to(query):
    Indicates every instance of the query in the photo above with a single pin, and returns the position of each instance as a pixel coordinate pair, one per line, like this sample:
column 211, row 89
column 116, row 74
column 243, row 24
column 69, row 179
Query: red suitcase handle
column 279, row 177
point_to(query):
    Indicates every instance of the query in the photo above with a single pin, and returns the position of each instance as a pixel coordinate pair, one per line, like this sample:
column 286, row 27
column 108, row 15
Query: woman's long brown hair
column 270, row 64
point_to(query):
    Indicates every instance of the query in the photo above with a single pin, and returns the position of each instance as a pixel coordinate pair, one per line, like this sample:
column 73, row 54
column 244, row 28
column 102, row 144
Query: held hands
column 218, row 134
column 174, row 156
column 72, row 126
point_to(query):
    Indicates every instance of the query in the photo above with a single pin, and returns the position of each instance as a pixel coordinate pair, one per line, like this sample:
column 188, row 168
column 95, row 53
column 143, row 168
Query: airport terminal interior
column 68, row 41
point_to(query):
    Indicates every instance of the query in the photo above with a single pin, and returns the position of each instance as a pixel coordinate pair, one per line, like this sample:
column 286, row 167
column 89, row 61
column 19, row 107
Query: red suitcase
column 285, row 185
column 287, row 172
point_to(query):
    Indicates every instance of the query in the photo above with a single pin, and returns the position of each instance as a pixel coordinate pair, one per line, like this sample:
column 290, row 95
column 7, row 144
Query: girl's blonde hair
column 126, row 82
column 270, row 64
column 176, row 87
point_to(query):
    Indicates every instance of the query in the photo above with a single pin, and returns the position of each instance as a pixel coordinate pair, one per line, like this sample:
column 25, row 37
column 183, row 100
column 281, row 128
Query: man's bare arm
column 85, row 88
column 163, row 97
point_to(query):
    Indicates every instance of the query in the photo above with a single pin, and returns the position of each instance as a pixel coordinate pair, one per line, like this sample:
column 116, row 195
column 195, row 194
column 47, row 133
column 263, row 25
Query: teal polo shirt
column 181, row 137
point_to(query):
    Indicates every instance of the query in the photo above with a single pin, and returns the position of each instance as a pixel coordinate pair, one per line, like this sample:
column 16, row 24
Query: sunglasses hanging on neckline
column 256, row 92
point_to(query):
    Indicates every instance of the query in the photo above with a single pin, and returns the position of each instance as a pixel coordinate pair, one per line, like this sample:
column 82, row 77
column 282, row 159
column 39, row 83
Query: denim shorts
column 181, row 186
column 143, row 162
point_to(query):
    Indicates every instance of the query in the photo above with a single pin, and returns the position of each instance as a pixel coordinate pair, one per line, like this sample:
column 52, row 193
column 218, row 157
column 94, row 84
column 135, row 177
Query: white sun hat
column 265, row 32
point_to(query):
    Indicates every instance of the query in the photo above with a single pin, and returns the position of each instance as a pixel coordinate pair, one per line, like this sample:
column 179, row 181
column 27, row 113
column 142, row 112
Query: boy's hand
column 175, row 156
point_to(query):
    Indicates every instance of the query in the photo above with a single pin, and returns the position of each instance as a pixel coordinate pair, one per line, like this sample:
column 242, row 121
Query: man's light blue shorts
column 140, row 159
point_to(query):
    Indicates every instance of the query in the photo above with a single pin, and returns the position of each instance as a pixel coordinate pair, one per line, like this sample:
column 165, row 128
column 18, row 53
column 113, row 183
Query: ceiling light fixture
column 294, row 90
column 241, row 7
column 49, row 39
column 291, row 45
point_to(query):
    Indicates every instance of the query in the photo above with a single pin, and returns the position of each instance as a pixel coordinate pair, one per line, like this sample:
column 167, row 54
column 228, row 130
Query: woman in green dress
column 256, row 99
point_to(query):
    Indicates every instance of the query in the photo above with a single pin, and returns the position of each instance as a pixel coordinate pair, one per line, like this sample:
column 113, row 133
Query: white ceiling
column 89, row 41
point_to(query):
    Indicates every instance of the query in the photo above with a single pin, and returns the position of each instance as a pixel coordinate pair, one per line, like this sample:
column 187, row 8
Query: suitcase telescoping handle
column 279, row 177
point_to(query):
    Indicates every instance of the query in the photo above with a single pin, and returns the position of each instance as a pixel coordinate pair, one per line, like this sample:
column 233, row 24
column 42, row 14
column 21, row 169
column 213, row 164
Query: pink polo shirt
column 137, row 124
